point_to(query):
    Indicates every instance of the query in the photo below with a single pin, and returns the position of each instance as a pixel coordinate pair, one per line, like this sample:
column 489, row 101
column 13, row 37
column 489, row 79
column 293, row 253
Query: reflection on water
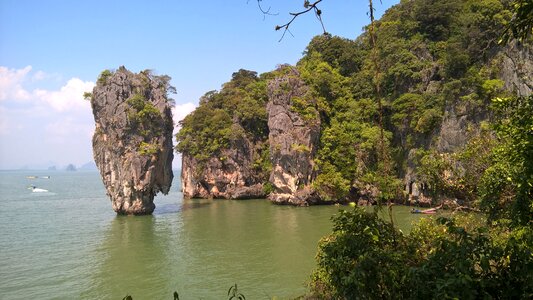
column 131, row 260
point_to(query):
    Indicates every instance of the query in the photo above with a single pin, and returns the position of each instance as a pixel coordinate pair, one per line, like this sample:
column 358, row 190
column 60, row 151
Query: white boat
column 36, row 189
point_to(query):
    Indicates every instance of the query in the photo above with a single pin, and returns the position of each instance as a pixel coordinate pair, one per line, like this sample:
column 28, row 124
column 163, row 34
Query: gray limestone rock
column 132, row 142
column 293, row 141
column 229, row 175
column 517, row 68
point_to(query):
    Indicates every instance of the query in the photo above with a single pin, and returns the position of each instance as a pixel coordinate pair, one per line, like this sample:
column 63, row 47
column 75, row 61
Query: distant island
column 90, row 166
column 71, row 168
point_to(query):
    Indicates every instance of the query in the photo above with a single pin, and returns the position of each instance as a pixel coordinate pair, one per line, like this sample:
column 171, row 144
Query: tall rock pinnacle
column 132, row 142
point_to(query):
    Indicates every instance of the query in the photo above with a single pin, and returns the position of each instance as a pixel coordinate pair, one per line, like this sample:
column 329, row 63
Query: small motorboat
column 36, row 189
column 31, row 177
column 45, row 177
column 428, row 211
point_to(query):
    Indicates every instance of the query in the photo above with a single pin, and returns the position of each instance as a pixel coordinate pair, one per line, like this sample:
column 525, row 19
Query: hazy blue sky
column 52, row 51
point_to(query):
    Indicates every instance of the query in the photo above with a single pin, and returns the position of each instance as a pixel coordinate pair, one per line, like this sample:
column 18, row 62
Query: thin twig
column 266, row 12
column 308, row 7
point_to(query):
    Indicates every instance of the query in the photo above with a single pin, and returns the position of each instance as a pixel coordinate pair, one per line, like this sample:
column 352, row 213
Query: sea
column 68, row 243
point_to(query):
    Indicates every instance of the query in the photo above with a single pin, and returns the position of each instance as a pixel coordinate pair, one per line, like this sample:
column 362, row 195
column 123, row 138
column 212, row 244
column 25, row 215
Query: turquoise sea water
column 69, row 244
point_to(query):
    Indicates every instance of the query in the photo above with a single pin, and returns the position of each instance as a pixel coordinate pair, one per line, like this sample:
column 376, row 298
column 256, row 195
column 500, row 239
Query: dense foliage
column 434, row 58
column 506, row 187
column 435, row 61
column 227, row 117
column 444, row 258
column 438, row 65
column 462, row 257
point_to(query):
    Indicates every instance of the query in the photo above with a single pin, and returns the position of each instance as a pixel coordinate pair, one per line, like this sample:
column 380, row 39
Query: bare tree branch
column 266, row 12
column 308, row 7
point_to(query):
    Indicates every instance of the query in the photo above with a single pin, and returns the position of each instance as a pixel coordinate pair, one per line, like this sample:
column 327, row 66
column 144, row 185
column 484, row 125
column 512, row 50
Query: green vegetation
column 102, row 79
column 506, row 186
column 235, row 114
column 148, row 149
column 432, row 57
column 378, row 99
column 521, row 25
column 144, row 116
column 381, row 103
column 444, row 258
column 87, row 96
column 461, row 257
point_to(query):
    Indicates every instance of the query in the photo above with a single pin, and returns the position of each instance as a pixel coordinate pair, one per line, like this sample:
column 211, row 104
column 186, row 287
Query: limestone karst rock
column 227, row 157
column 461, row 123
column 232, row 172
column 132, row 142
column 230, row 178
column 293, row 141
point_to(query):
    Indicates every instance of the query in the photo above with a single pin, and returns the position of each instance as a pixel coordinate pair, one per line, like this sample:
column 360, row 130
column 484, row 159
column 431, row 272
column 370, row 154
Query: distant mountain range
column 90, row 166
column 52, row 166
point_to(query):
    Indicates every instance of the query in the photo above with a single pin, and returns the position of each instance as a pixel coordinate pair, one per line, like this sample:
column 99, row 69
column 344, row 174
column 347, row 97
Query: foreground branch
column 308, row 7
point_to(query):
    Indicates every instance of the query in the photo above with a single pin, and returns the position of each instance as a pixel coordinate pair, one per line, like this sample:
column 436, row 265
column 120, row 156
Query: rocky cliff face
column 517, row 68
column 462, row 122
column 229, row 175
column 241, row 169
column 293, row 141
column 132, row 142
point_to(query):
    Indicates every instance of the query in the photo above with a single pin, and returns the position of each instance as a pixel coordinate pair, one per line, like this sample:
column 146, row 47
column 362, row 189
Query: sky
column 51, row 52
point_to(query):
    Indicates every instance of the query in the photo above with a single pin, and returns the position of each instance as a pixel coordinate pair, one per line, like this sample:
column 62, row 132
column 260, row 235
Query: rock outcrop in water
column 132, row 142
column 269, row 154
column 228, row 156
column 293, row 141
column 325, row 128
column 229, row 178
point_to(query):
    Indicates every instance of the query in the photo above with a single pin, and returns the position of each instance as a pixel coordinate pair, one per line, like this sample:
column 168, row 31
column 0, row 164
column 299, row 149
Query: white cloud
column 57, row 121
column 68, row 128
column 69, row 97
column 180, row 111
column 11, row 83
column 39, row 75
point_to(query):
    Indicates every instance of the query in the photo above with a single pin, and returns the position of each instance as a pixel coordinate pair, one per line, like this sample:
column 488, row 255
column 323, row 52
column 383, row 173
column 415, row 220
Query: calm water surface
column 69, row 244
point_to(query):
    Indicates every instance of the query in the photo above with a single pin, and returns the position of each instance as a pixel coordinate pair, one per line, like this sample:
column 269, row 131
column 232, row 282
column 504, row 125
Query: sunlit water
column 69, row 244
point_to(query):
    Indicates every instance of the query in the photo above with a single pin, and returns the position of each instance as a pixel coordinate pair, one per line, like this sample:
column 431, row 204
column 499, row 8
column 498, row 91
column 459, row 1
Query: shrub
column 443, row 258
column 102, row 79
column 148, row 149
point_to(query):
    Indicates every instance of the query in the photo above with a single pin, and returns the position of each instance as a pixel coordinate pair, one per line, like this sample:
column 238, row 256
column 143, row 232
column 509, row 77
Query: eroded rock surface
column 293, row 141
column 229, row 175
column 461, row 122
column 132, row 142
column 516, row 69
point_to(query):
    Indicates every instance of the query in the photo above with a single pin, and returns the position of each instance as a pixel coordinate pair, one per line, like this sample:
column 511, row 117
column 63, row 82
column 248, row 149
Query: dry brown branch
column 307, row 8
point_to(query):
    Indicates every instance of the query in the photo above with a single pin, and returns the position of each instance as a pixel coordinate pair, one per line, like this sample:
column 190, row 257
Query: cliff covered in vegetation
column 312, row 133
column 132, row 142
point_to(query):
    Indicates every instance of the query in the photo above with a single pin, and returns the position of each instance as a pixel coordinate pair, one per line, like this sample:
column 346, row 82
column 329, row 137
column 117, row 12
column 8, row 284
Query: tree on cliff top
column 237, row 111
